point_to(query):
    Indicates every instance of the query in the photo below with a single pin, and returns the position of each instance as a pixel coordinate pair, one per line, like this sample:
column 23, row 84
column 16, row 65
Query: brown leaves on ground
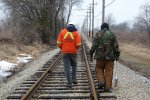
column 10, row 52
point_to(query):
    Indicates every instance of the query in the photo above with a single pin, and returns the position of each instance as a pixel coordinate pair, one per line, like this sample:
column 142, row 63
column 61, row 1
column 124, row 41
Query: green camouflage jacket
column 105, row 46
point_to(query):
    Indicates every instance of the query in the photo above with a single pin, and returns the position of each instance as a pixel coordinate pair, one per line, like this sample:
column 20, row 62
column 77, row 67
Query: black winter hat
column 71, row 25
column 71, row 28
column 104, row 25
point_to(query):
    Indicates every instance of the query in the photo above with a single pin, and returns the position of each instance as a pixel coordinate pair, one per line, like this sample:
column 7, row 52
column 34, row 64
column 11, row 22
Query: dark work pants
column 70, row 66
column 104, row 69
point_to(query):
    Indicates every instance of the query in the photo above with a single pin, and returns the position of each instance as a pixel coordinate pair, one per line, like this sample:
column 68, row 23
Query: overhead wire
column 105, row 7
column 110, row 3
column 101, row 11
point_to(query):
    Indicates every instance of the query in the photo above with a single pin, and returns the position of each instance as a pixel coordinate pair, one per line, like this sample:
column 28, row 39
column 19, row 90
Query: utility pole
column 92, row 18
column 90, row 22
column 87, row 22
column 103, row 11
column 50, row 17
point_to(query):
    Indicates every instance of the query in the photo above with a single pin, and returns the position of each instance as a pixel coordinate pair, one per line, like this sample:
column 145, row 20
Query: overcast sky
column 122, row 10
column 2, row 12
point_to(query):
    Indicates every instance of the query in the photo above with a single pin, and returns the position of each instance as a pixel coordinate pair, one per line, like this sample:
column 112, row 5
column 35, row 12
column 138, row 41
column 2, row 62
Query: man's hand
column 91, row 57
column 117, row 58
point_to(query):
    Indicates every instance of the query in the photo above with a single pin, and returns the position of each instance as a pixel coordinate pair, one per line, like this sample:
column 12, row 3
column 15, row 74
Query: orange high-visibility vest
column 68, row 42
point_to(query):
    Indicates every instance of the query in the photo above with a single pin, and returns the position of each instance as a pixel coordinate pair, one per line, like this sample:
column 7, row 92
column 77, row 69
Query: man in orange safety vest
column 69, row 41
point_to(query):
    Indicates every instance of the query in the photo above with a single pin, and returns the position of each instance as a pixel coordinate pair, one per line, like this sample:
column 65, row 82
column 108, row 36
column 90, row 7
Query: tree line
column 137, row 30
column 36, row 20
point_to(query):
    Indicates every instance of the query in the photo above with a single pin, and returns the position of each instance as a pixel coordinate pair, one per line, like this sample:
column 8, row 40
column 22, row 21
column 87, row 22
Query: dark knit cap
column 71, row 25
column 104, row 25
column 71, row 28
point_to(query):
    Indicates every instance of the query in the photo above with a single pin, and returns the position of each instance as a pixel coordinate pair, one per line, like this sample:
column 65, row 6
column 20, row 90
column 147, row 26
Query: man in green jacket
column 106, row 49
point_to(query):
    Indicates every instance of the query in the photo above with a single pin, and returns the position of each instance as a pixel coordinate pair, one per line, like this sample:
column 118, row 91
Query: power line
column 105, row 7
column 110, row 3
column 98, row 14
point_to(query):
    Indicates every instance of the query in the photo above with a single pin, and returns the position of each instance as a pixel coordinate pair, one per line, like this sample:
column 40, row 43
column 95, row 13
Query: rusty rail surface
column 32, row 90
column 93, row 89
column 50, row 82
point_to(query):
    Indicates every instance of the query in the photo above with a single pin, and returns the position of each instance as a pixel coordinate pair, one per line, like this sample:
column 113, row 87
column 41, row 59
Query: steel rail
column 32, row 89
column 92, row 86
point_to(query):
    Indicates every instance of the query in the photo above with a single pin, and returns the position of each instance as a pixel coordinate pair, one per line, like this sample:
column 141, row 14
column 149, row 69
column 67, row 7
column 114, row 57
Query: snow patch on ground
column 24, row 58
column 6, row 66
column 4, row 74
column 30, row 69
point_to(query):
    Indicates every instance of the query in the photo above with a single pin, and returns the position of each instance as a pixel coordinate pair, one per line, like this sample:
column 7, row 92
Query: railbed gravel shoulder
column 31, row 68
column 131, row 85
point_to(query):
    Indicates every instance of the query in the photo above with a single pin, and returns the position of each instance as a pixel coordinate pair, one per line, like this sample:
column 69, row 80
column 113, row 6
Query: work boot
column 109, row 90
column 74, row 82
column 100, row 85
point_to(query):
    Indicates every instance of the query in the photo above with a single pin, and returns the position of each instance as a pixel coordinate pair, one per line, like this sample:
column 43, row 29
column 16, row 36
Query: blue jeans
column 70, row 66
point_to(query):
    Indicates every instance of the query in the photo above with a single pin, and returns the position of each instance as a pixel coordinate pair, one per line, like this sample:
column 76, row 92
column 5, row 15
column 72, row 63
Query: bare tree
column 57, row 11
column 144, row 18
column 70, row 4
column 40, row 14
column 110, row 19
column 121, row 27
column 43, row 17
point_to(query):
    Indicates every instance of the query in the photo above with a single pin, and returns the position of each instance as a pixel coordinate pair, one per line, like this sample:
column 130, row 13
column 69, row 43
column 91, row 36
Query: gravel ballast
column 131, row 85
column 31, row 68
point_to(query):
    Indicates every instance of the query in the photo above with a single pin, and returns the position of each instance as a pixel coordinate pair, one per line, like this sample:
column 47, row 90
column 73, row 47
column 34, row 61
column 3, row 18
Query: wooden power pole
column 93, row 19
column 103, row 11
column 89, row 22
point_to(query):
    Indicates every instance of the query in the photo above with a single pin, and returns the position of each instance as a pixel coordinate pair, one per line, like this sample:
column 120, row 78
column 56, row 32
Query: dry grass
column 137, row 57
column 9, row 52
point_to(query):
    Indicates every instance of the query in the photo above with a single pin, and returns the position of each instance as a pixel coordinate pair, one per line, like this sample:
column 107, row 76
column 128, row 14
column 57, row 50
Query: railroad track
column 50, row 82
